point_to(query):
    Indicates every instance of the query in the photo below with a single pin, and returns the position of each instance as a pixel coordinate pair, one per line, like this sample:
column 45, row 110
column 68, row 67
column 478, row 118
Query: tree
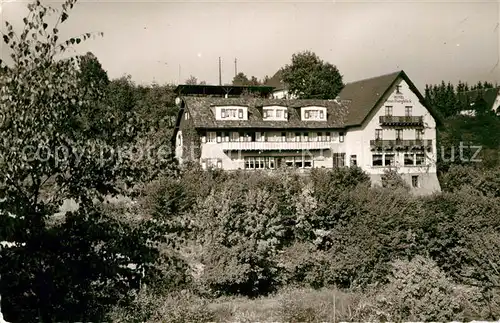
column 241, row 80
column 308, row 77
column 92, row 73
column 192, row 80
column 74, row 269
column 254, row 81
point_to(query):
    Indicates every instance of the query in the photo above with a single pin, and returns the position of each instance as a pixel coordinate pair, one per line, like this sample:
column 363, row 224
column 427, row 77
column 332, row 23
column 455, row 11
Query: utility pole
column 220, row 72
column 179, row 74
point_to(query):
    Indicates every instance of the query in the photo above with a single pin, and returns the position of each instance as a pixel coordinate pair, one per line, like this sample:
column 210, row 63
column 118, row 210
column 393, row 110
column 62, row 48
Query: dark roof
column 365, row 95
column 220, row 90
column 488, row 95
column 202, row 115
column 276, row 81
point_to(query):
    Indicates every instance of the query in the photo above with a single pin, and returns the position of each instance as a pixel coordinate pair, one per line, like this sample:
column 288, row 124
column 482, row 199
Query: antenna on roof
column 235, row 67
column 220, row 74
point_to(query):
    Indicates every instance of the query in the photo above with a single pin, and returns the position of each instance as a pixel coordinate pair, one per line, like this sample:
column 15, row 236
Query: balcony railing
column 270, row 145
column 401, row 121
column 417, row 144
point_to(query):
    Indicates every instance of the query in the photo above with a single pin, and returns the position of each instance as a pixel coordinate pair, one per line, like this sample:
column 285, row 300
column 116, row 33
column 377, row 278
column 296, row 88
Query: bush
column 419, row 291
column 325, row 305
column 242, row 231
column 179, row 307
column 391, row 179
column 484, row 181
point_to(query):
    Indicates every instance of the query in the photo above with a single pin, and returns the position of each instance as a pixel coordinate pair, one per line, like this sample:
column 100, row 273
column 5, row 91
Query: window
column 389, row 160
column 341, row 137
column 211, row 163
column 225, row 136
column 179, row 139
column 306, row 136
column 235, row 136
column 354, row 160
column 399, row 134
column 388, row 111
column 186, row 116
column 240, row 113
column 308, row 163
column 408, row 111
column 377, row 160
column 249, row 163
column 285, row 114
column 218, row 137
column 298, row 162
column 409, row 160
column 270, row 161
column 321, row 114
column 378, row 134
column 398, row 89
column 259, row 162
column 306, row 115
column 419, row 134
column 320, row 136
column 223, row 113
column 283, row 136
column 420, row 159
column 338, row 160
column 297, row 136
column 279, row 113
column 211, row 136
column 414, row 181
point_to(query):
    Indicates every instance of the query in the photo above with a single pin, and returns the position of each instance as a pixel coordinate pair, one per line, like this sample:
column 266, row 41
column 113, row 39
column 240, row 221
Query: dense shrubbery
column 259, row 232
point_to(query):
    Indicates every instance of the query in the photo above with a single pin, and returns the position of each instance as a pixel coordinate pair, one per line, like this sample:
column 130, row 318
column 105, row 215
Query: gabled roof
column 488, row 95
column 276, row 81
column 202, row 115
column 365, row 95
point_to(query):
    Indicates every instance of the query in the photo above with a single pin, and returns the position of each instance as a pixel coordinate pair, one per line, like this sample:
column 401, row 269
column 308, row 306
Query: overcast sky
column 155, row 40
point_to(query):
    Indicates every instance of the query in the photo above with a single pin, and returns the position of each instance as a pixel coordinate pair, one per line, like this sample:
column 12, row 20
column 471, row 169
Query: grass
column 291, row 305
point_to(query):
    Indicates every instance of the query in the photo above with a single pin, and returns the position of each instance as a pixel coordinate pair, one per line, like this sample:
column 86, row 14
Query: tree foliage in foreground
column 50, row 152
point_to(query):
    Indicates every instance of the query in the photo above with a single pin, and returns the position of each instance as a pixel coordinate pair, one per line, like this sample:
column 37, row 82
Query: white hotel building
column 377, row 123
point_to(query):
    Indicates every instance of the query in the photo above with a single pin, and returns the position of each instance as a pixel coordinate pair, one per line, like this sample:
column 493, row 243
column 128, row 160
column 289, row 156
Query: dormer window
column 231, row 113
column 275, row 113
column 314, row 113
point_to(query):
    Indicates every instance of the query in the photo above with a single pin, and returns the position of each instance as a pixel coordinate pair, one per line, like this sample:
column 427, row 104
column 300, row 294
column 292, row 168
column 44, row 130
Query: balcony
column 418, row 144
column 402, row 121
column 275, row 145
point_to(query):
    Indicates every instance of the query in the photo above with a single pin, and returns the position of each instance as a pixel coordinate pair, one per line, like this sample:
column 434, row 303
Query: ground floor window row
column 278, row 162
column 211, row 163
column 417, row 159
column 297, row 136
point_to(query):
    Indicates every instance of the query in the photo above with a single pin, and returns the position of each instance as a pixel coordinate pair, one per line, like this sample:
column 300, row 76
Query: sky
column 167, row 41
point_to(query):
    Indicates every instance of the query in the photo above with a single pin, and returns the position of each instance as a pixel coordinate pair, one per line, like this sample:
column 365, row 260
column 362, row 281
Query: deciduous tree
column 77, row 269
column 309, row 77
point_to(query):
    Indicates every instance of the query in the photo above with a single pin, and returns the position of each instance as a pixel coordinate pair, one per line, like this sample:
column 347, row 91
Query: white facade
column 402, row 124
column 282, row 94
column 357, row 141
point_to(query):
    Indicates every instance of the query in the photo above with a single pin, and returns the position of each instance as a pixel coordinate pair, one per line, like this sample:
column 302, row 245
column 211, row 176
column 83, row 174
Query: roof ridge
column 374, row 77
